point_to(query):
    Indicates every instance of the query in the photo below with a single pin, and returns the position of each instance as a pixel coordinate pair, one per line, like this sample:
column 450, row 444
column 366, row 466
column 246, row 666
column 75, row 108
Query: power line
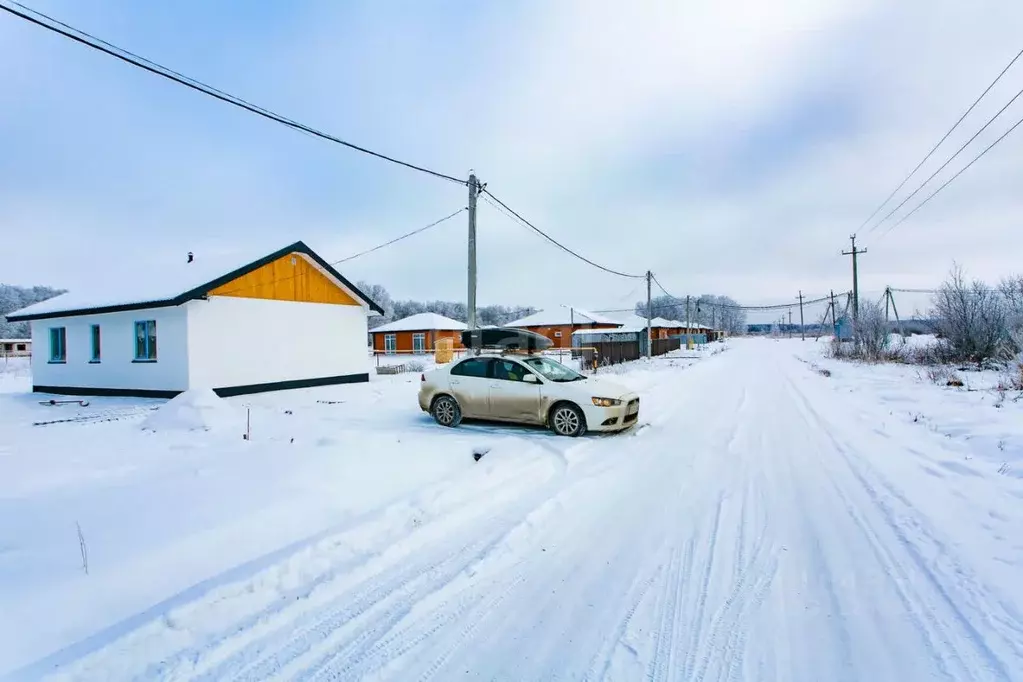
column 363, row 253
column 123, row 55
column 940, row 142
column 554, row 241
column 947, row 161
column 398, row 239
column 950, row 180
column 727, row 306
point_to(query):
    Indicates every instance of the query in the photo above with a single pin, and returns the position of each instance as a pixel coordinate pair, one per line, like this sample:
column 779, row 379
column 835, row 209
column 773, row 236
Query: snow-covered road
column 760, row 526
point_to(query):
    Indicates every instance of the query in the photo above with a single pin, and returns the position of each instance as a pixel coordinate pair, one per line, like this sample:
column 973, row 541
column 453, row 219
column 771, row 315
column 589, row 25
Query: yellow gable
column 289, row 278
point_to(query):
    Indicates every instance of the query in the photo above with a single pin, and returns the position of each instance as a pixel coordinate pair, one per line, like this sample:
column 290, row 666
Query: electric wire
column 357, row 255
column 554, row 241
column 950, row 180
column 940, row 142
column 123, row 55
column 945, row 165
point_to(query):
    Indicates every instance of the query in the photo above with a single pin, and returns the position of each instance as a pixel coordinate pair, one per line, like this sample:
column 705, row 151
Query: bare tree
column 971, row 318
column 871, row 332
column 1011, row 290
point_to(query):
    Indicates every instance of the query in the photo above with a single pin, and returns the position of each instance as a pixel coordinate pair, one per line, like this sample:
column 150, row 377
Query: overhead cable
column 941, row 141
column 950, row 180
column 554, row 241
column 123, row 55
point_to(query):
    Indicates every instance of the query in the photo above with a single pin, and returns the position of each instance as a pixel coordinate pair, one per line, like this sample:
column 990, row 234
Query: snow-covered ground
column 765, row 522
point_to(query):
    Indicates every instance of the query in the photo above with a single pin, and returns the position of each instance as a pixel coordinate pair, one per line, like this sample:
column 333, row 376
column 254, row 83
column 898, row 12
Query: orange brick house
column 416, row 334
column 557, row 324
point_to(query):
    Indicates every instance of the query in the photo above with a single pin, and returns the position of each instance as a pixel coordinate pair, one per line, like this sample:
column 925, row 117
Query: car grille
column 629, row 418
column 631, row 411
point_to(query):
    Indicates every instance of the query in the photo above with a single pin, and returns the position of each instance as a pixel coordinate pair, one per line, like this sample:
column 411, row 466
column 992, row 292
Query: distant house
column 660, row 328
column 417, row 334
column 12, row 348
column 284, row 320
column 557, row 324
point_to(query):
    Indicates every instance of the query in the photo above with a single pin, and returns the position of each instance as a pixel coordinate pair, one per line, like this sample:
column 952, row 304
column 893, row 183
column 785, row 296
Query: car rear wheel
column 567, row 420
column 446, row 412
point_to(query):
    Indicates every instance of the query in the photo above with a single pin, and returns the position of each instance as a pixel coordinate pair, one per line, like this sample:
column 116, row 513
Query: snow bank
column 195, row 410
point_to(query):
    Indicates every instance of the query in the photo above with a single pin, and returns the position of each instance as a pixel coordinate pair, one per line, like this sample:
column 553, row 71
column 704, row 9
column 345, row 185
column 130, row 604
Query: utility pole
column 689, row 322
column 649, row 314
column 802, row 327
column 474, row 333
column 790, row 324
column 834, row 315
column 856, row 278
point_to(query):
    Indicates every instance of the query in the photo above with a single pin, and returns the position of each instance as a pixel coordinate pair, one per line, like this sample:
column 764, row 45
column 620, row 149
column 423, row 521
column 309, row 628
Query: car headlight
column 606, row 402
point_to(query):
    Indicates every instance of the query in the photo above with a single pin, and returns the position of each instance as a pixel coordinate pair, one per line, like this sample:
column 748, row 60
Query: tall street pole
column 856, row 278
column 649, row 314
column 802, row 327
column 471, row 299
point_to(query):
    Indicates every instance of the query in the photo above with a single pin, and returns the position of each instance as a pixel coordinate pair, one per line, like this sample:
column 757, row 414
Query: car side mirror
column 531, row 379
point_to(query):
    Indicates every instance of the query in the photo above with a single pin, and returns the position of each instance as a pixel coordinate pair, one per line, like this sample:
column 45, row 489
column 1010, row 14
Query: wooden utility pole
column 474, row 334
column 802, row 327
column 834, row 314
column 854, row 252
column 649, row 314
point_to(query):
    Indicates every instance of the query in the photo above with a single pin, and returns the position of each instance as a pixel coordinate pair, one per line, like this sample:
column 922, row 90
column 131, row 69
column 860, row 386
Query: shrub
column 971, row 318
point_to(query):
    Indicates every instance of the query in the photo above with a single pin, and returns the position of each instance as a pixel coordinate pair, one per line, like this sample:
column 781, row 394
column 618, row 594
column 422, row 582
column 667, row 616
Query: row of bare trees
column 974, row 321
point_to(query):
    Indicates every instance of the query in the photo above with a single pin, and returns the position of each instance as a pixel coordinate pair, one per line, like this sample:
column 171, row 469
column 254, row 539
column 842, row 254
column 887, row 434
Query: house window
column 145, row 341
column 94, row 342
column 390, row 343
column 22, row 346
column 419, row 342
column 58, row 344
column 557, row 335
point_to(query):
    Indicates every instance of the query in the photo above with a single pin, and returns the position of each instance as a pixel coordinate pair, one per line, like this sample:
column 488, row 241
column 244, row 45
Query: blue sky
column 730, row 147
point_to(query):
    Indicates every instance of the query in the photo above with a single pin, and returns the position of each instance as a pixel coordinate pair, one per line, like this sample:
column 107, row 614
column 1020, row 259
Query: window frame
column 487, row 374
column 95, row 344
column 390, row 339
column 60, row 356
column 493, row 370
column 421, row 338
column 149, row 340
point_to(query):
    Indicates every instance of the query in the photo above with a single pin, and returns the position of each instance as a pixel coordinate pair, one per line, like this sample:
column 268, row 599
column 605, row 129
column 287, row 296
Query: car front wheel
column 446, row 412
column 567, row 420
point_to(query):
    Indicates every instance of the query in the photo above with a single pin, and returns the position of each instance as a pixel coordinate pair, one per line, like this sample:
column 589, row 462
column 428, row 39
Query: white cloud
column 629, row 131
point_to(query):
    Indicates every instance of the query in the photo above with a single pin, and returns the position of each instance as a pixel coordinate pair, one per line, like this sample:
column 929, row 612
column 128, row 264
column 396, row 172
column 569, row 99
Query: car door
column 470, row 384
column 512, row 398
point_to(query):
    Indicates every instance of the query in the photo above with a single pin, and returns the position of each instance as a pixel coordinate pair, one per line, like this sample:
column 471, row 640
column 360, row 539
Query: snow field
column 763, row 522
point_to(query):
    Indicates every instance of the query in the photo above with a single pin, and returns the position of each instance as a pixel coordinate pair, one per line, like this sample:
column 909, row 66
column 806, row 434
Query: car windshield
column 554, row 371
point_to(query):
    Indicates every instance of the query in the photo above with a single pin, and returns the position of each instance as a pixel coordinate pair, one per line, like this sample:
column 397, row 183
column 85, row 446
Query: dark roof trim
column 94, row 311
column 201, row 291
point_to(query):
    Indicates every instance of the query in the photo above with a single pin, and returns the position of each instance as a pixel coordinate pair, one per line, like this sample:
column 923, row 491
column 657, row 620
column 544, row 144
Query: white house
column 284, row 320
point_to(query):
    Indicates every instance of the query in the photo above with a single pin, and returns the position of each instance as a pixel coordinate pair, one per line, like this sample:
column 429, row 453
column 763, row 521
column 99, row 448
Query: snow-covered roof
column 615, row 330
column 161, row 282
column 421, row 322
column 561, row 315
column 640, row 321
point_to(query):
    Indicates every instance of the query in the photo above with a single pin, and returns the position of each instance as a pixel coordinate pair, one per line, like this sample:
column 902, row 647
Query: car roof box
column 507, row 338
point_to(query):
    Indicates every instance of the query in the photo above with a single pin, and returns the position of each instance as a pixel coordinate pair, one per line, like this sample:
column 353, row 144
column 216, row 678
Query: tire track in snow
column 935, row 635
column 390, row 600
column 197, row 657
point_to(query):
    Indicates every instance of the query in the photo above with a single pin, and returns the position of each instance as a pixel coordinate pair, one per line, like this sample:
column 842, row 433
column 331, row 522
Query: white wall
column 241, row 341
column 116, row 368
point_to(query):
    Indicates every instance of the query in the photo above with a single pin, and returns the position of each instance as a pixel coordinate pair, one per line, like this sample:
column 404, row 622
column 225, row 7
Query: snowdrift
column 195, row 410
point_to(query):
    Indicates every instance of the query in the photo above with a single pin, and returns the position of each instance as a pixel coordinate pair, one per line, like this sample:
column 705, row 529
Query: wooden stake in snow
column 248, row 423
column 83, row 549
